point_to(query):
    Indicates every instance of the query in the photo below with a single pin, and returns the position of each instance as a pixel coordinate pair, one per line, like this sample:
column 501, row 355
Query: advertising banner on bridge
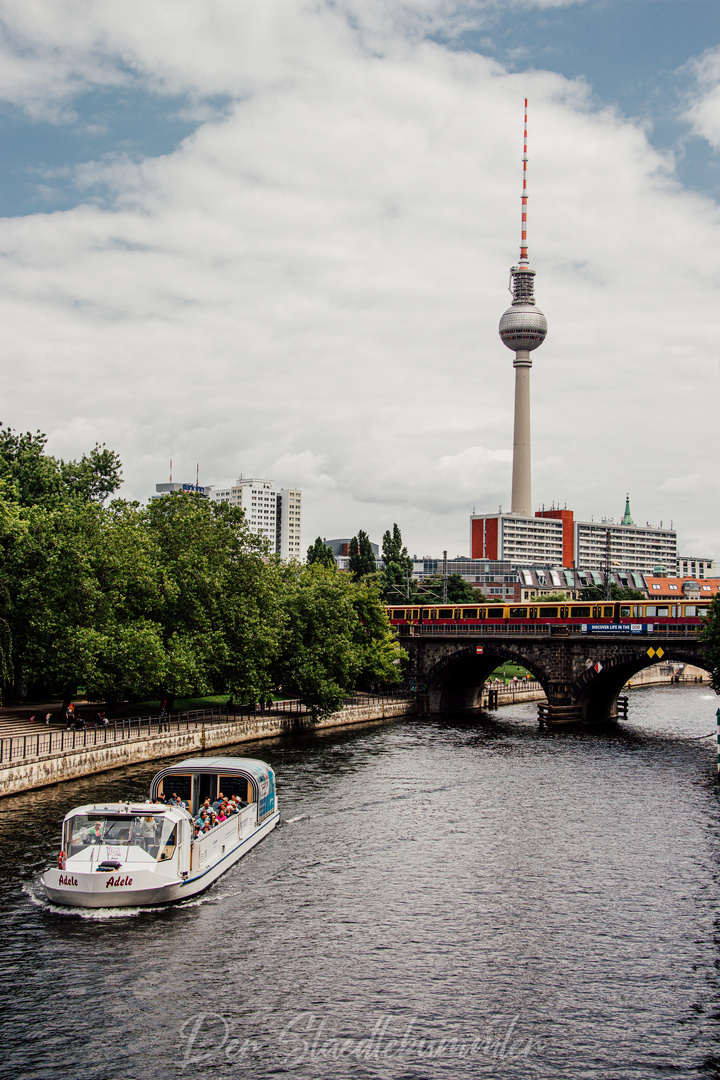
column 618, row 628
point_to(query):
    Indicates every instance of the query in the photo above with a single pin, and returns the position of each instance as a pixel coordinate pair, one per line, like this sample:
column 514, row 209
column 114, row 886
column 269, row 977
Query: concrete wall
column 72, row 764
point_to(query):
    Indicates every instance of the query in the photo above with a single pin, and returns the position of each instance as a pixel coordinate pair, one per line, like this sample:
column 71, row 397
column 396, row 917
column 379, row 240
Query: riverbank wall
column 43, row 771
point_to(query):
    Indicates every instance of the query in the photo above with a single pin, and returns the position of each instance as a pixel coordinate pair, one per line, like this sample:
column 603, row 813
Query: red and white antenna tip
column 523, row 223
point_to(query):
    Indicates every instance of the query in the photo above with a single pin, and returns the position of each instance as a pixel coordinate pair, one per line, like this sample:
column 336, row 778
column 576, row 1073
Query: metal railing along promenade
column 49, row 741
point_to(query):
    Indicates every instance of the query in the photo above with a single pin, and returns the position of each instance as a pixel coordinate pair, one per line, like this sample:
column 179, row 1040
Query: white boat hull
column 139, row 886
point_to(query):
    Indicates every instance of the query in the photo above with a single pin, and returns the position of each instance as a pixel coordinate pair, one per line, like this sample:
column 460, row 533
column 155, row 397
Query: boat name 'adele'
column 118, row 881
column 63, row 880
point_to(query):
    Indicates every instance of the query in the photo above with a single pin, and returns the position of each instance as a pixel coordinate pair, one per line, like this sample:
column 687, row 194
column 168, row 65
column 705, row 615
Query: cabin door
column 206, row 788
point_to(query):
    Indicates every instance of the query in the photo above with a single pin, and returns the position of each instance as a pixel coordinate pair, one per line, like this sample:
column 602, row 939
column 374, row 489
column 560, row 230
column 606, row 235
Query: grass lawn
column 510, row 671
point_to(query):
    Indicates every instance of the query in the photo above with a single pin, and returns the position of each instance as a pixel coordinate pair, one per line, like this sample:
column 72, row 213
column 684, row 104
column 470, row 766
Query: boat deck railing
column 51, row 741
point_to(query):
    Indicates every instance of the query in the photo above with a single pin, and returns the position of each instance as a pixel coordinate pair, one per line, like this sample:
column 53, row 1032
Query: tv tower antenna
column 522, row 328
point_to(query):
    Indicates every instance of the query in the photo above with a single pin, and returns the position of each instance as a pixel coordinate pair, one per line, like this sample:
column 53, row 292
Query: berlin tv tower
column 522, row 328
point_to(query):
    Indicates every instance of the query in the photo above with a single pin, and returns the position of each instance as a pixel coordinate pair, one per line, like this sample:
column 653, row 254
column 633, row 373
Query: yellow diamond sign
column 651, row 651
column 659, row 653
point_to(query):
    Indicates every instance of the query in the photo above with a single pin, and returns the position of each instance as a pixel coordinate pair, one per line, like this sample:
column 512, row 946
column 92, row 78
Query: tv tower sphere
column 523, row 326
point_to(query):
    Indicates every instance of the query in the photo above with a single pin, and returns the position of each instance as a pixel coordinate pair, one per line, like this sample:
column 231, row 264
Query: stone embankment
column 43, row 770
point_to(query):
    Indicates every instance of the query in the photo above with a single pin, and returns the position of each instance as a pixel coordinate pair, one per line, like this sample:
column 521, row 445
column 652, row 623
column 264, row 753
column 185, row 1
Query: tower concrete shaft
column 521, row 474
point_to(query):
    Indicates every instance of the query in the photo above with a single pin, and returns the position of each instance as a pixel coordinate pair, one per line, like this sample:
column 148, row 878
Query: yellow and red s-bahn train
column 598, row 617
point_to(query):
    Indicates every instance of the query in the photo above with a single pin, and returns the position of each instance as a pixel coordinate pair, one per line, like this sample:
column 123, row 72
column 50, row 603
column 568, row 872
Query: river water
column 464, row 897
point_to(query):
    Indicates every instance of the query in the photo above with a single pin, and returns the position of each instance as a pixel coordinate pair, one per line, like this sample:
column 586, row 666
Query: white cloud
column 309, row 286
column 703, row 112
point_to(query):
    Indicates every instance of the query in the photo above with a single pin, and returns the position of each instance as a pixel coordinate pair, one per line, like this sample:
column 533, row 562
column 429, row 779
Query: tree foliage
column 31, row 477
column 319, row 552
column 459, row 591
column 710, row 641
column 336, row 638
column 177, row 597
column 362, row 556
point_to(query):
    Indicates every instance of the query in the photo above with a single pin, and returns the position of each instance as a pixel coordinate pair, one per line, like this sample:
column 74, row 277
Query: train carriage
column 596, row 617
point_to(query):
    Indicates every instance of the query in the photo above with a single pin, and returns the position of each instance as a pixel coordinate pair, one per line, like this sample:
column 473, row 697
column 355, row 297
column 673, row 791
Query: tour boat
column 140, row 853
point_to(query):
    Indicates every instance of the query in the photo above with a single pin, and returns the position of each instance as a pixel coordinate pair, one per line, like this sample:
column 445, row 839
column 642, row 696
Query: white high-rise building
column 273, row 513
column 288, row 522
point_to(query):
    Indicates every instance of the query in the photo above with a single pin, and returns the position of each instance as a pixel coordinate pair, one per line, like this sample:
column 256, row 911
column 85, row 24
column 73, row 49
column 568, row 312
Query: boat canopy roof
column 258, row 773
column 129, row 808
column 228, row 766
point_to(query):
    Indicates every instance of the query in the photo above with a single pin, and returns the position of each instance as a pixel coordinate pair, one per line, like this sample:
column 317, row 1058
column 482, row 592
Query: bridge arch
column 597, row 692
column 456, row 681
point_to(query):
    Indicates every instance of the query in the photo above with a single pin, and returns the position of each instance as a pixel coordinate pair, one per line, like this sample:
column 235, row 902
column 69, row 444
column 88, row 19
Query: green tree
column 617, row 592
column 34, row 478
column 459, row 591
column 710, row 640
column 336, row 637
column 362, row 557
column 553, row 598
column 396, row 580
column 320, row 553
column 82, row 579
column 220, row 610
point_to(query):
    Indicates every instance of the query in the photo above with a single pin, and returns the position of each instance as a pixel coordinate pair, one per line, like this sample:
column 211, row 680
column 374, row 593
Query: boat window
column 580, row 612
column 445, row 613
column 235, row 785
column 178, row 785
column 518, row 613
column 625, row 613
column 496, row 613
column 168, row 841
column 469, row 612
column 548, row 613
column 87, row 830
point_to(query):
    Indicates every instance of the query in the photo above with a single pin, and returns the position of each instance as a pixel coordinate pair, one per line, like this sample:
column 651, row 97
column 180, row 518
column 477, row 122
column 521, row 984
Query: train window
column 638, row 612
column 397, row 613
column 548, row 613
column 625, row 613
column 690, row 611
column 427, row 613
column 469, row 613
column 650, row 611
column 580, row 612
column 445, row 613
column 414, row 614
column 703, row 610
column 663, row 612
column 608, row 611
column 518, row 613
column 496, row 613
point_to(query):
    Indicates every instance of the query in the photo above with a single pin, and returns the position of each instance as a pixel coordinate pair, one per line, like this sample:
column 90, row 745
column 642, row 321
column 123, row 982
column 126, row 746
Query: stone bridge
column 582, row 674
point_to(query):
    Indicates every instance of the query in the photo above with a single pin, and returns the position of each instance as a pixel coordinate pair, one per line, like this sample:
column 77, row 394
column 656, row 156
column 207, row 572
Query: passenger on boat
column 206, row 827
column 221, row 816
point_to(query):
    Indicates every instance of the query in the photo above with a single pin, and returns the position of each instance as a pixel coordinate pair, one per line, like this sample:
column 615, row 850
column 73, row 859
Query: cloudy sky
column 272, row 237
